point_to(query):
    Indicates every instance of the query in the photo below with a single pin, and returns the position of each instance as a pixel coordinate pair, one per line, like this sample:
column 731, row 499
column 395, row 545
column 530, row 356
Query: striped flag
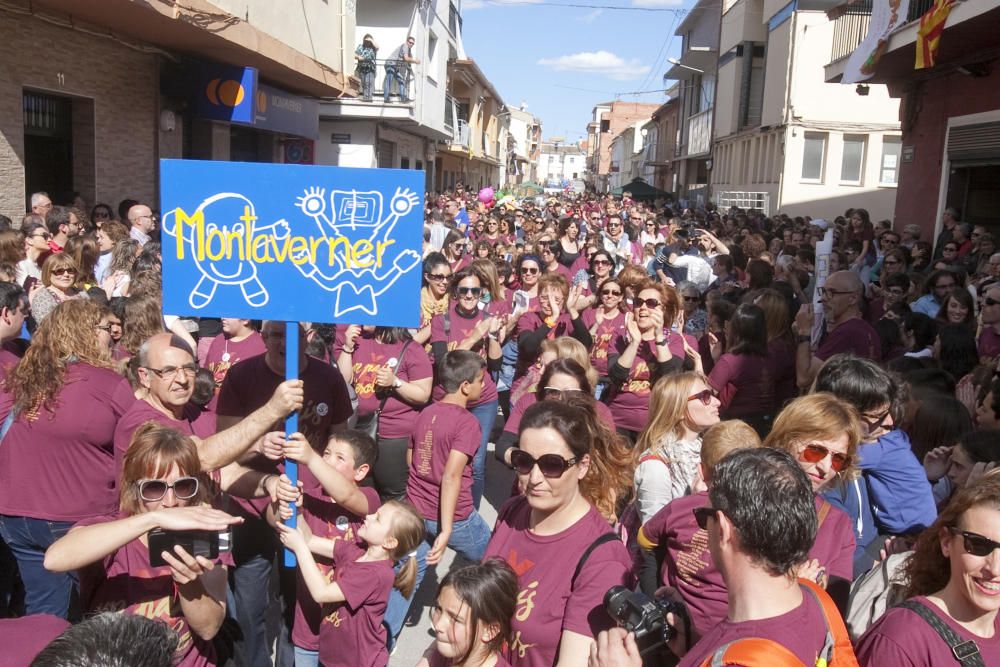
column 929, row 33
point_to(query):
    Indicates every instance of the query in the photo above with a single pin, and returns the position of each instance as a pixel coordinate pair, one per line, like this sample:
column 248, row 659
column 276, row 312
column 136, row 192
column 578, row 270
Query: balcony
column 851, row 27
column 699, row 133
column 462, row 133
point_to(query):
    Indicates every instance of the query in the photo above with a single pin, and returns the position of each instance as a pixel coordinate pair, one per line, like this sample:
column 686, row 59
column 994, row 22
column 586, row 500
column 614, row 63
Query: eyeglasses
column 614, row 225
column 171, row 372
column 703, row 514
column 611, row 292
column 826, row 292
column 649, row 303
column 552, row 466
column 557, row 393
column 469, row 291
column 705, row 396
column 813, row 453
column 529, row 270
column 974, row 543
column 990, row 301
column 692, row 299
column 601, row 262
column 103, row 327
column 43, row 235
column 184, row 488
column 438, row 277
column 62, row 271
column 875, row 423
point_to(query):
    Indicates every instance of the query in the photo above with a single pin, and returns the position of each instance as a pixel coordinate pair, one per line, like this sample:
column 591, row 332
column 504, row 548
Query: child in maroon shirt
column 352, row 635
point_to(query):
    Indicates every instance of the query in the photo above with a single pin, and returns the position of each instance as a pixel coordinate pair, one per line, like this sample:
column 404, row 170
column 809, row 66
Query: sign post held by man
column 294, row 243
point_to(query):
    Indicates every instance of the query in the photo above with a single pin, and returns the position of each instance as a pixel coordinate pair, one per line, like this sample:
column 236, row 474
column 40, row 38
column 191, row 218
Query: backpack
column 759, row 652
column 873, row 593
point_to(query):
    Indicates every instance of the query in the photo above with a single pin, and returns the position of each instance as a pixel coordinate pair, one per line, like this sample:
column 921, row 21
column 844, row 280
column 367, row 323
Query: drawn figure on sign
column 224, row 268
column 359, row 216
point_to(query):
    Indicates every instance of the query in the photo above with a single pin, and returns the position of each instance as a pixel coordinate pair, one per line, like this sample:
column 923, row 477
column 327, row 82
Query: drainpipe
column 790, row 72
column 343, row 50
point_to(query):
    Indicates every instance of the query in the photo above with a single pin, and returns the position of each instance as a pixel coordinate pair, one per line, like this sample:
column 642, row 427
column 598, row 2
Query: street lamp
column 674, row 61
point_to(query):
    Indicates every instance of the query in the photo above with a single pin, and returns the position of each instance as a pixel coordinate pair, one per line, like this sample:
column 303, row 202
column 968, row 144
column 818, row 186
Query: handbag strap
column 11, row 416
column 965, row 652
column 399, row 364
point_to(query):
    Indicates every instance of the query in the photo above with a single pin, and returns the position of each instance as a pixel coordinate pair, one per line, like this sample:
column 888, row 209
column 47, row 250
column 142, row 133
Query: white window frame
column 825, row 136
column 854, row 138
column 896, row 140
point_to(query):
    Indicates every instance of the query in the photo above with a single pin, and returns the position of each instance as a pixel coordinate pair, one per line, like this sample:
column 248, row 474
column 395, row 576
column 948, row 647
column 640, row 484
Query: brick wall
column 119, row 87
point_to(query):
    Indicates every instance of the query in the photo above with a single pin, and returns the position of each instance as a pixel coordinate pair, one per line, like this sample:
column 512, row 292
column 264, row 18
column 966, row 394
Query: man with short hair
column 911, row 234
column 761, row 523
column 62, row 224
column 948, row 221
column 616, row 241
column 141, row 222
column 397, row 70
column 961, row 236
column 456, row 212
column 846, row 330
column 41, row 204
column 13, row 311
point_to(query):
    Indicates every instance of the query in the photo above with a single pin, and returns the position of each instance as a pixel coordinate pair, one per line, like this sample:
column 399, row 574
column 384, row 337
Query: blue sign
column 227, row 93
column 279, row 111
column 292, row 242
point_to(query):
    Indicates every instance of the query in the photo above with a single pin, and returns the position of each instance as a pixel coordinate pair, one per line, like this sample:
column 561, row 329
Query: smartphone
column 195, row 542
column 521, row 299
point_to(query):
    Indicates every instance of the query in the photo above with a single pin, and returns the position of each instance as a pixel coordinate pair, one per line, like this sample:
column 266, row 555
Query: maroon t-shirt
column 326, row 519
column 629, row 401
column 60, row 467
column 855, row 336
column 801, row 630
column 124, row 581
column 141, row 412
column 8, row 359
column 438, row 660
column 441, row 428
column 225, row 353
column 989, row 343
column 606, row 332
column 547, row 602
column 687, row 563
column 396, row 420
column 352, row 634
column 531, row 321
column 781, row 362
column 23, row 638
column 513, row 423
column 834, row 545
column 901, row 638
column 459, row 328
column 744, row 384
column 251, row 383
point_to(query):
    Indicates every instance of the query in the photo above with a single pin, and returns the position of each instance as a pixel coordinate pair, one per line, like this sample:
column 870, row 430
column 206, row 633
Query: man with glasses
column 166, row 372
column 939, row 286
column 142, row 223
column 846, row 330
column 41, row 204
column 760, row 519
column 62, row 224
column 616, row 241
column 989, row 315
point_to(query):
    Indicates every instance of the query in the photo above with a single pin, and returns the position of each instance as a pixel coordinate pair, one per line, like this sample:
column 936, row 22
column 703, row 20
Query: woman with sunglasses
column 647, row 351
column 466, row 326
column 951, row 580
column 823, row 432
column 455, row 250
column 59, row 273
column 57, row 458
column 545, row 533
column 549, row 250
column 695, row 315
column 162, row 488
column 433, row 294
column 36, row 248
column 605, row 322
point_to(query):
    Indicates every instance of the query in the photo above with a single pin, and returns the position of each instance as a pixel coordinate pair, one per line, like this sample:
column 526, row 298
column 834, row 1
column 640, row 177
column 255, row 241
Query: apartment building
column 949, row 150
column 784, row 139
column 661, row 146
column 92, row 94
column 609, row 120
column 627, row 154
column 525, row 146
column 559, row 163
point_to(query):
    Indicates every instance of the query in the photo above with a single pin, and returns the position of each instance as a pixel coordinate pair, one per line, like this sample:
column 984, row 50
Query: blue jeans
column 250, row 585
column 306, row 658
column 393, row 76
column 44, row 592
column 486, row 415
column 469, row 538
column 367, row 85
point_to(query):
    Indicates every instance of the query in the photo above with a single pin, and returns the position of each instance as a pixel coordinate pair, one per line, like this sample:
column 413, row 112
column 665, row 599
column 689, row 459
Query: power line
column 581, row 6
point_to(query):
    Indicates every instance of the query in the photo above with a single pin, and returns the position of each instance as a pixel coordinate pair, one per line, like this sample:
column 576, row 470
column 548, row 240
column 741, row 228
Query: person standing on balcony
column 397, row 69
column 365, row 55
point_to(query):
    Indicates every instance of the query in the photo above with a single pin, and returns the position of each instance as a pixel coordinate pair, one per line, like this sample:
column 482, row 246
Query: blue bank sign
column 292, row 242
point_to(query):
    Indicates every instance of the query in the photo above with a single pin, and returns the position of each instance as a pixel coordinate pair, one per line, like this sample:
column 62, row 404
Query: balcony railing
column 760, row 201
column 850, row 28
column 461, row 135
column 700, row 133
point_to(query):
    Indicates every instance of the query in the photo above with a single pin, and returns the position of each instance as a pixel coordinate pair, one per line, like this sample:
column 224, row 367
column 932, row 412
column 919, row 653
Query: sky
column 561, row 61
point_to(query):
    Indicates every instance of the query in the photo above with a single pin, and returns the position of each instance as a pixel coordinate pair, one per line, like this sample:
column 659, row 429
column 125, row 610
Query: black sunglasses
column 529, row 270
column 703, row 514
column 649, row 303
column 550, row 465
column 611, row 292
column 975, row 544
column 990, row 301
column 473, row 291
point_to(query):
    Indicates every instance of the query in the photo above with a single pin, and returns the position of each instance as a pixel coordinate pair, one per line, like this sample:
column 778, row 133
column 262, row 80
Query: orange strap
column 843, row 651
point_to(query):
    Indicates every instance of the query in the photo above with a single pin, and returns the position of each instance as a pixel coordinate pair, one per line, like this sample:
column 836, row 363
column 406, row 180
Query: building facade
column 525, row 146
column 610, row 119
column 663, row 151
column 560, row 163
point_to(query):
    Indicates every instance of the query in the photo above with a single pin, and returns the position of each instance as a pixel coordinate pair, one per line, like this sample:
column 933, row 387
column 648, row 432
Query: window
column 813, row 154
column 853, row 159
column 419, row 165
column 889, row 173
column 432, row 42
column 404, row 163
column 605, row 125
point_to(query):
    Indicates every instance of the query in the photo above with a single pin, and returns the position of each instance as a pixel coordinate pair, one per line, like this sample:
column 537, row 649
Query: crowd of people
column 711, row 409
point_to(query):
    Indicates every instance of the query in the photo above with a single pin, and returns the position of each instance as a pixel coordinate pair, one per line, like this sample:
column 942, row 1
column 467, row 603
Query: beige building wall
column 115, row 117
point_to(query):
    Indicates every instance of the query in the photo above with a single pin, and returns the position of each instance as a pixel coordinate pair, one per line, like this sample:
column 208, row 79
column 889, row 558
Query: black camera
column 643, row 616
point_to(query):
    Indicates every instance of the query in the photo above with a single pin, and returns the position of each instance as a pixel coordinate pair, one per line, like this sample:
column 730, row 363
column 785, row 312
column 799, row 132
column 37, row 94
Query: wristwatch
column 663, row 341
column 803, row 339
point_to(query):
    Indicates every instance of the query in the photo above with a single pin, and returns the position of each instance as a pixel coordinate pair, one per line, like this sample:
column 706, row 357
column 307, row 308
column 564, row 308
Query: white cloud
column 603, row 63
column 590, row 16
column 657, row 3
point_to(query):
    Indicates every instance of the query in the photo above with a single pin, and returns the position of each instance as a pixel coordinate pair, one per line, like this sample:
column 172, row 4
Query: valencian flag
column 929, row 32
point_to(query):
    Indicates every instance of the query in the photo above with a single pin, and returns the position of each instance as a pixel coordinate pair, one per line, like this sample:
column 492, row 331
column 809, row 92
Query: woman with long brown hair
column 57, row 458
column 952, row 579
